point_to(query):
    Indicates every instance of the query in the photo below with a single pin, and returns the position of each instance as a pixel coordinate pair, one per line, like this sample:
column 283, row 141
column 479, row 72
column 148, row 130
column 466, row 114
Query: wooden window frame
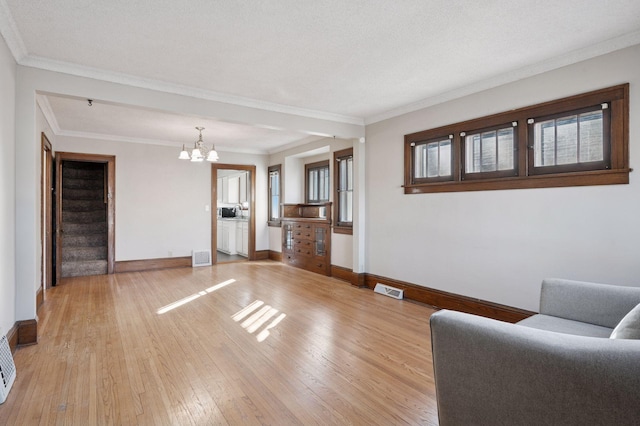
column 617, row 98
column 340, row 227
column 271, row 221
column 464, row 175
column 438, row 139
column 311, row 166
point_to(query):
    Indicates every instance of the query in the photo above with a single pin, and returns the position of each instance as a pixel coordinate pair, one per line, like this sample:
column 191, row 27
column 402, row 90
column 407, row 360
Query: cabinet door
column 243, row 188
column 220, row 231
column 245, row 239
column 320, row 243
column 225, row 236
column 234, row 189
column 239, row 239
column 220, row 191
column 287, row 237
column 225, row 189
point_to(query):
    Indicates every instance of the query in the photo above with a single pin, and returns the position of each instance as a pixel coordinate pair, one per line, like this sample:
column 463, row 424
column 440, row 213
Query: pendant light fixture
column 200, row 152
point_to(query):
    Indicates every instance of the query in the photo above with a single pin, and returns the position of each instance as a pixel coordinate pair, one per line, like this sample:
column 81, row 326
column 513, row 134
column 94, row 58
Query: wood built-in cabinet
column 306, row 236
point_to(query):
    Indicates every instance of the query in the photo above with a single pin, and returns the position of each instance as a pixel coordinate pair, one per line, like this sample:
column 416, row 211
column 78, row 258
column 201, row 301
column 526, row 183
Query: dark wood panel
column 444, row 300
column 344, row 274
column 27, row 332
column 263, row 255
column 152, row 264
column 275, row 255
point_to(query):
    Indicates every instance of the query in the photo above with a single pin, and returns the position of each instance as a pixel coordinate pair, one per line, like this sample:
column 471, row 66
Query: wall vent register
column 7, row 369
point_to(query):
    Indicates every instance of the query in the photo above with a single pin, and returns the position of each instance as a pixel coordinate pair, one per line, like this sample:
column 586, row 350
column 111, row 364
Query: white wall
column 7, row 189
column 499, row 245
column 161, row 201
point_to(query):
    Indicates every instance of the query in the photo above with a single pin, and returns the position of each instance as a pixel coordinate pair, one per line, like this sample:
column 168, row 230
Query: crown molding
column 570, row 58
column 10, row 33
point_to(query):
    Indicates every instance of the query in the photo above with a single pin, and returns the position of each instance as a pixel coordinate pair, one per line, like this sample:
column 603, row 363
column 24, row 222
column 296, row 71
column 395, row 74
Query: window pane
column 505, row 149
column 432, row 159
column 569, row 140
column 591, row 139
column 346, row 207
column 350, row 174
column 489, row 151
column 274, row 195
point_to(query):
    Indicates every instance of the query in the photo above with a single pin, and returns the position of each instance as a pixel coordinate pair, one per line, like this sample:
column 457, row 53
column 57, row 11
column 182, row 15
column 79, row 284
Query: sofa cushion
column 629, row 327
column 600, row 304
column 561, row 325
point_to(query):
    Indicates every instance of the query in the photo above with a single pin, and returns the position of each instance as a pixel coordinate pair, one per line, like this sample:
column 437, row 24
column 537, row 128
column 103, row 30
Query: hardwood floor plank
column 239, row 343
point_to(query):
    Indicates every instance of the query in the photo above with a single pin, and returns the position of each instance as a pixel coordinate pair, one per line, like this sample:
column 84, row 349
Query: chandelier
column 199, row 151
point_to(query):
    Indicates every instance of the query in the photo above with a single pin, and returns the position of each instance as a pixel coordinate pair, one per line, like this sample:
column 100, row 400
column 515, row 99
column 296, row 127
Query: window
column 274, row 195
column 571, row 141
column 317, row 182
column 575, row 141
column 343, row 199
column 490, row 152
column 433, row 160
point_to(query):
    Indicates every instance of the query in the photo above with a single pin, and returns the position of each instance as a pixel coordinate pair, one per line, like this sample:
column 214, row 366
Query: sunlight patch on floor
column 258, row 314
column 184, row 301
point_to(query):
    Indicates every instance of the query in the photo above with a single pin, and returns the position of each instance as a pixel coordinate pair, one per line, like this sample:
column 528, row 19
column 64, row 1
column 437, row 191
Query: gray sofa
column 555, row 368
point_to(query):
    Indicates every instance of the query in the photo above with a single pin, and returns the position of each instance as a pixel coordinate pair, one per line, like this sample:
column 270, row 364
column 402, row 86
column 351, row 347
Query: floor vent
column 200, row 258
column 7, row 369
column 387, row 290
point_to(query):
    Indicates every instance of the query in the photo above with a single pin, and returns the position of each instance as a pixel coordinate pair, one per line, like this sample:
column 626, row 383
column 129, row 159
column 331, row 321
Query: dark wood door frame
column 214, row 202
column 110, row 198
column 46, row 236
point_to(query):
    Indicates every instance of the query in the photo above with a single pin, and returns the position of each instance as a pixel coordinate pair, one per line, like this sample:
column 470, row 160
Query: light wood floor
column 247, row 343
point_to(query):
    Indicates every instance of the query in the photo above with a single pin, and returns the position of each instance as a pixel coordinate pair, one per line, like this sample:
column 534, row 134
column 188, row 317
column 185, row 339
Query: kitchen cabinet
column 227, row 239
column 219, row 235
column 220, row 191
column 244, row 193
column 233, row 187
column 306, row 236
column 242, row 238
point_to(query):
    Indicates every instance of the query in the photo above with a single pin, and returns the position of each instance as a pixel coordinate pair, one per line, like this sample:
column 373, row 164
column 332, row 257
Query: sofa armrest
column 489, row 372
column 598, row 304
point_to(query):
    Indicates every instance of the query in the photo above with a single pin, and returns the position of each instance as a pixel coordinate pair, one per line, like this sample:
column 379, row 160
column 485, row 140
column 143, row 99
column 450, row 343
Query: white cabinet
column 233, row 190
column 244, row 193
column 220, row 191
column 242, row 238
column 227, row 237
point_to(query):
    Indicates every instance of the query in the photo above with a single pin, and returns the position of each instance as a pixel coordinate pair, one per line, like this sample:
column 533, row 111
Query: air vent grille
column 7, row 369
column 387, row 290
column 200, row 258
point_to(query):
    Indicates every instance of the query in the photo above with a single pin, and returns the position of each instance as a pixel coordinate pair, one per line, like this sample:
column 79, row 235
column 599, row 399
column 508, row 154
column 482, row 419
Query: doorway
column 233, row 224
column 85, row 215
column 46, row 223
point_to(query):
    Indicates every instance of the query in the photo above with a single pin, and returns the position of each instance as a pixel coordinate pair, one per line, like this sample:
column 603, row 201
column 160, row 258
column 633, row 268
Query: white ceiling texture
column 352, row 61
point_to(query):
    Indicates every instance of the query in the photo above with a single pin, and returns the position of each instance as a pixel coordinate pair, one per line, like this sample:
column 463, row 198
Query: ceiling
column 350, row 61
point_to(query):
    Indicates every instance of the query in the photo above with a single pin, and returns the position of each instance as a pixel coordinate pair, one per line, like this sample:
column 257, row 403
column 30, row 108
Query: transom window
column 577, row 139
column 580, row 140
column 488, row 151
column 433, row 159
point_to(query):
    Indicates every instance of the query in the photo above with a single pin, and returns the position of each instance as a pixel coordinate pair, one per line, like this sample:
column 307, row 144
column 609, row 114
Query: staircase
column 84, row 219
